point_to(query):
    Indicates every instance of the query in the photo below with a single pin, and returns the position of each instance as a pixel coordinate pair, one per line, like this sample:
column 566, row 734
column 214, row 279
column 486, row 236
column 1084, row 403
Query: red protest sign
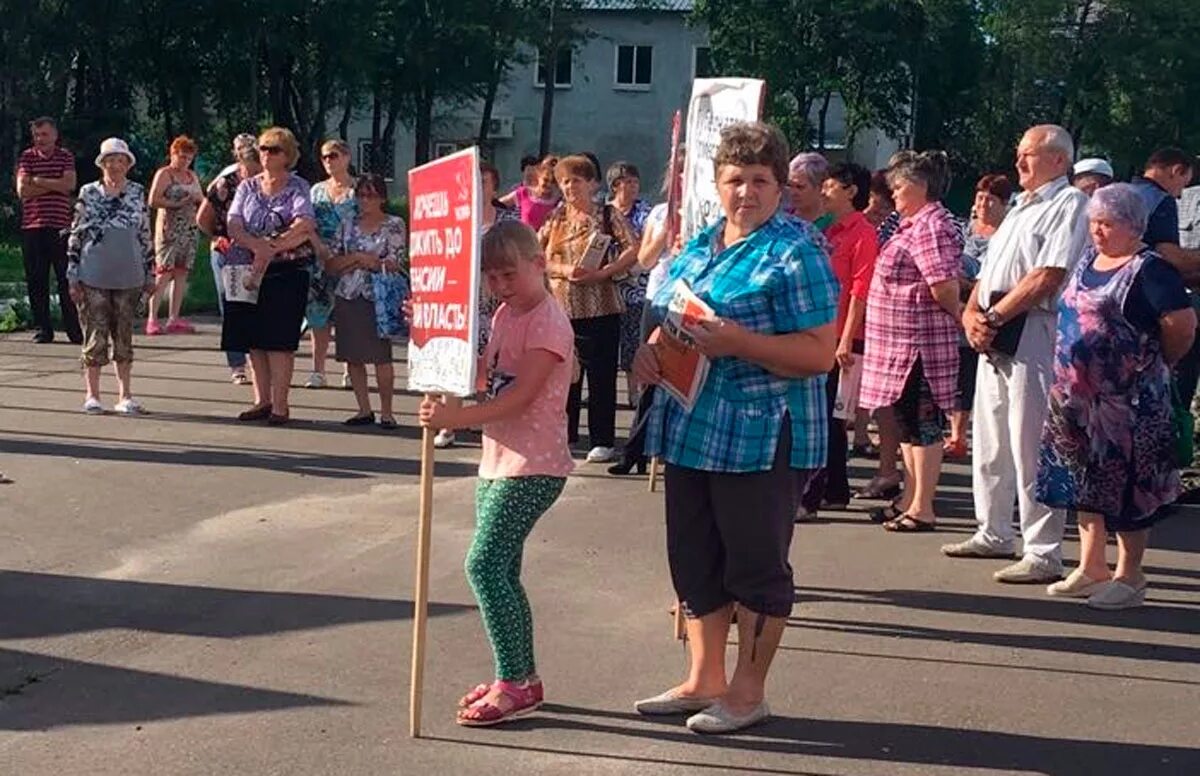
column 443, row 248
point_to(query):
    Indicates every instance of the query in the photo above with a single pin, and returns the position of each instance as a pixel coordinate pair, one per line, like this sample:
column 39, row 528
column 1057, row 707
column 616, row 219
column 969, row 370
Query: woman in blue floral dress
column 333, row 203
column 625, row 185
column 1108, row 446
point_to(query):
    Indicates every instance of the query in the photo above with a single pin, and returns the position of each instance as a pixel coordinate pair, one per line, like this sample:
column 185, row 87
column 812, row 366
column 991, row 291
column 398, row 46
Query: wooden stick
column 654, row 474
column 680, row 626
column 421, row 588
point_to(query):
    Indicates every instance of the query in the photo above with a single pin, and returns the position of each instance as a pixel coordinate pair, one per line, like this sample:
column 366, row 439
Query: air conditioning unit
column 500, row 127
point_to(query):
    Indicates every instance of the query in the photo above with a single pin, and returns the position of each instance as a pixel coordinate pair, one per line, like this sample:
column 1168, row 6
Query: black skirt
column 273, row 323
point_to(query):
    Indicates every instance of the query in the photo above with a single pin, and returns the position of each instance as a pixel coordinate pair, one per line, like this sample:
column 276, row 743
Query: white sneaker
column 315, row 380
column 601, row 455
column 444, row 439
column 92, row 406
column 1029, row 570
column 239, row 377
column 1117, row 595
column 346, row 384
column 130, row 406
column 1076, row 585
column 976, row 547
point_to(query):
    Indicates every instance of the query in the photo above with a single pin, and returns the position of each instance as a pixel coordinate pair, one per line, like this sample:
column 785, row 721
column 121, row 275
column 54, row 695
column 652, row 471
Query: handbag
column 390, row 290
column 1183, row 425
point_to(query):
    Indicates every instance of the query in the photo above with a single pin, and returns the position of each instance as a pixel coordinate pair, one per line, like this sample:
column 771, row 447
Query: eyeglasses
column 270, row 149
column 330, row 156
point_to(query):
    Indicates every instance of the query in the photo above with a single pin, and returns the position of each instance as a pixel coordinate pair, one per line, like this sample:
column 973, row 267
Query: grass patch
column 201, row 295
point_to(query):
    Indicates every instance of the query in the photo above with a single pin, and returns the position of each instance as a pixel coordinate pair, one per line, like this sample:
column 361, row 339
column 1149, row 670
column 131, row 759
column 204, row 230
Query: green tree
column 810, row 51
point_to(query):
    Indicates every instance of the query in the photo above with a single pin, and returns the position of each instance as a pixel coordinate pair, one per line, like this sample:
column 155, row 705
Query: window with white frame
column 387, row 167
column 634, row 67
column 562, row 69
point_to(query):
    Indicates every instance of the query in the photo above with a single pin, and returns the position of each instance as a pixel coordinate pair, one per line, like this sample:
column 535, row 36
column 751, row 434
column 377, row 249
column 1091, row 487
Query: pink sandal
column 526, row 698
column 474, row 694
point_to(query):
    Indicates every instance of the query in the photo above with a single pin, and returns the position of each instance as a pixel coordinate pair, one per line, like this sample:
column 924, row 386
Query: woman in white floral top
column 367, row 245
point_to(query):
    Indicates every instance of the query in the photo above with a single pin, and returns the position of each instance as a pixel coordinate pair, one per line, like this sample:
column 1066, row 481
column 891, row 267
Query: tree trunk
column 423, row 131
column 375, row 163
column 387, row 145
column 164, row 105
column 489, row 99
column 347, row 114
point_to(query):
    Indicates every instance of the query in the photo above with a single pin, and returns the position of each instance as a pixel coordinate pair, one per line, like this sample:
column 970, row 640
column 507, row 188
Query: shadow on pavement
column 94, row 694
column 868, row 742
column 1023, row 666
column 1147, row 618
column 1076, row 645
column 312, row 465
column 42, row 605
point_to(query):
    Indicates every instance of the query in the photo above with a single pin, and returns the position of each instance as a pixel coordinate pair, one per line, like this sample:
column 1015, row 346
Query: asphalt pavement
column 184, row 594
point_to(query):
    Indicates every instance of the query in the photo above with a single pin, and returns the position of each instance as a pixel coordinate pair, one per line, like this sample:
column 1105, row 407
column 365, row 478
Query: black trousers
column 728, row 535
column 45, row 249
column 635, row 448
column 597, row 341
column 830, row 483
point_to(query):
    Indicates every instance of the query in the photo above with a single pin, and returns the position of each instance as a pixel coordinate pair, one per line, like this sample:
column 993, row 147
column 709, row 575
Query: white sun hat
column 115, row 145
column 1093, row 166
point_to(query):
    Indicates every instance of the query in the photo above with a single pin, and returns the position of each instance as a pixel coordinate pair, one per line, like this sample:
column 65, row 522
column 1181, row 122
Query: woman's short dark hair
column 753, row 142
column 528, row 161
column 931, row 168
column 619, row 170
column 851, row 174
column 372, row 182
column 998, row 185
column 1170, row 156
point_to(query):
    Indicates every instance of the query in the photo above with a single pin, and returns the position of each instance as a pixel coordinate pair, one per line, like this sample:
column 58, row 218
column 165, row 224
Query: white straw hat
column 115, row 145
column 1094, row 167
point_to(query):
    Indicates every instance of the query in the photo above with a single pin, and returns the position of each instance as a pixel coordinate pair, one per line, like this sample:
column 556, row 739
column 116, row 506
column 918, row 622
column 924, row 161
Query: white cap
column 115, row 145
column 1094, row 167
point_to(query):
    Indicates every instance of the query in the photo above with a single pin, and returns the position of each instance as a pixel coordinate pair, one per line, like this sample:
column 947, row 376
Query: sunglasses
column 330, row 156
column 270, row 149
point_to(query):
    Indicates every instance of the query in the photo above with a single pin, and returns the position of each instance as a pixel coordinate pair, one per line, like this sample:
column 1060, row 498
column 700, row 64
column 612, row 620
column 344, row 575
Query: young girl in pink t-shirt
column 537, row 197
column 526, row 373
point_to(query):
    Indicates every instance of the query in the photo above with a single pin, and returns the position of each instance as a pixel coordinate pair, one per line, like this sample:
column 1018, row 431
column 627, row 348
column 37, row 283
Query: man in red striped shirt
column 45, row 181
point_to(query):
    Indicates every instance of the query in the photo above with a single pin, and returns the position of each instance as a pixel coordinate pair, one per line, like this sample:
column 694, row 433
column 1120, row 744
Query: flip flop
column 885, row 514
column 909, row 524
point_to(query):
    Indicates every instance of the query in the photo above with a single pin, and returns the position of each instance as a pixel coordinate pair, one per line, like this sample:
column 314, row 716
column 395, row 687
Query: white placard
column 716, row 103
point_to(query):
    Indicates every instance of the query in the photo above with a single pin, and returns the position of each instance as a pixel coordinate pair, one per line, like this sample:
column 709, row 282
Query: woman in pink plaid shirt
column 911, row 358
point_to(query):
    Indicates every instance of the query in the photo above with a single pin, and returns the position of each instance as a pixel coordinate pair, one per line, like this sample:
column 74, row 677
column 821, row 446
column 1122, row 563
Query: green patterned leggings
column 506, row 510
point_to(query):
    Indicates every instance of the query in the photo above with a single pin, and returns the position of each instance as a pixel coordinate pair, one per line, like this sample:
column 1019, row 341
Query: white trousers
column 1011, row 406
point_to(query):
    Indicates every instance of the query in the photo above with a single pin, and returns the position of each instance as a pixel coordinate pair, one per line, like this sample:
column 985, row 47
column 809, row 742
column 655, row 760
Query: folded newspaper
column 683, row 368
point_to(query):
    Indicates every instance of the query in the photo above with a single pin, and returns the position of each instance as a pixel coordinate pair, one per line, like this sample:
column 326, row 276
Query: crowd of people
column 1050, row 332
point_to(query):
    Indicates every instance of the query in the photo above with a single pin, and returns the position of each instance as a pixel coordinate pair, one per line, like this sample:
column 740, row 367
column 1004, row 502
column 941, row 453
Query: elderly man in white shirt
column 1028, row 259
